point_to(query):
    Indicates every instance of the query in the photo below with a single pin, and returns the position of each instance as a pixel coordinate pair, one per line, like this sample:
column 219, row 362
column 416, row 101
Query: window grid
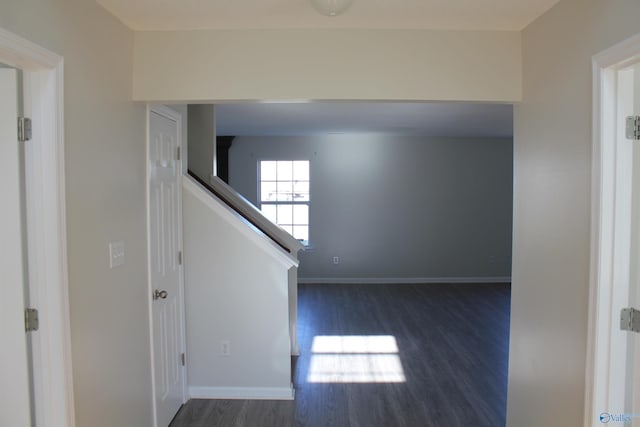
column 284, row 195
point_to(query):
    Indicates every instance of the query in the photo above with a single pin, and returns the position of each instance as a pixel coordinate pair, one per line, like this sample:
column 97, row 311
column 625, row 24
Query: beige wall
column 328, row 65
column 552, row 162
column 105, row 179
column 202, row 140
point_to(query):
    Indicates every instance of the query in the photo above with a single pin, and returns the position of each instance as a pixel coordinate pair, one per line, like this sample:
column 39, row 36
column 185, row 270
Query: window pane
column 285, row 170
column 268, row 171
column 285, row 191
column 270, row 212
column 301, row 170
column 301, row 232
column 301, row 191
column 300, row 215
column 268, row 191
column 285, row 214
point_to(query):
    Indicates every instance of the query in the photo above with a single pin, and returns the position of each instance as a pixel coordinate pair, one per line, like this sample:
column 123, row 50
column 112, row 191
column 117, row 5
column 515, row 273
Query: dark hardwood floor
column 452, row 348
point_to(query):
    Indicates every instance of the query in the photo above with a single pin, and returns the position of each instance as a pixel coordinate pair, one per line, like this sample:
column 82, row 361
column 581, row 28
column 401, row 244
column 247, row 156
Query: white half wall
column 220, row 65
column 236, row 291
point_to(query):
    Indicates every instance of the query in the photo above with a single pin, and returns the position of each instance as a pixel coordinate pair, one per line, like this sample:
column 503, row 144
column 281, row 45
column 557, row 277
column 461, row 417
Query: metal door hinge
column 180, row 257
column 630, row 319
column 633, row 128
column 24, row 129
column 178, row 154
column 158, row 294
column 31, row 322
column 183, row 359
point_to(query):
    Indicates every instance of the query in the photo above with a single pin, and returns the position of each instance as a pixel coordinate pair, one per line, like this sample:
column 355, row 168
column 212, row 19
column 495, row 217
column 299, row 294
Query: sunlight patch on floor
column 355, row 359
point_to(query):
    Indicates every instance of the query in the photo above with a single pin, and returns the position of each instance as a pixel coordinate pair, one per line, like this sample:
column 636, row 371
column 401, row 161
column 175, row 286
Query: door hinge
column 182, row 359
column 630, row 320
column 178, row 153
column 179, row 257
column 24, row 129
column 31, row 322
column 633, row 128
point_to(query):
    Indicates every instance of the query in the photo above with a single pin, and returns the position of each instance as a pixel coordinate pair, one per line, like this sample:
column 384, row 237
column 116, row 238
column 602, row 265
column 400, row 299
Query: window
column 284, row 195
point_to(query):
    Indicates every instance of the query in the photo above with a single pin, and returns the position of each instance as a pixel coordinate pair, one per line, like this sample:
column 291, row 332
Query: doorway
column 16, row 396
column 46, row 229
column 166, row 282
column 612, row 393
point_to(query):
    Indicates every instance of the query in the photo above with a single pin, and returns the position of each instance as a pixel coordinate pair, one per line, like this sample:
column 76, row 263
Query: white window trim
column 305, row 243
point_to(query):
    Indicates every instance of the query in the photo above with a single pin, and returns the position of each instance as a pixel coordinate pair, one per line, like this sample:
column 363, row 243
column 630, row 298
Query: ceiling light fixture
column 331, row 7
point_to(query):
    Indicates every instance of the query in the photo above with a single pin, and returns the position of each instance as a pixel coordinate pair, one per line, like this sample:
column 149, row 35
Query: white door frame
column 598, row 378
column 46, row 227
column 173, row 115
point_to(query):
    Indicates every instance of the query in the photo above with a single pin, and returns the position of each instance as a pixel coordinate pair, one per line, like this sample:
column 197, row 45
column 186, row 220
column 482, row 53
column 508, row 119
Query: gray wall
column 202, row 139
column 396, row 207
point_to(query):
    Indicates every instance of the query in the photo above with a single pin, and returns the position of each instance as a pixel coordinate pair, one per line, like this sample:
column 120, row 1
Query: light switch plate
column 116, row 254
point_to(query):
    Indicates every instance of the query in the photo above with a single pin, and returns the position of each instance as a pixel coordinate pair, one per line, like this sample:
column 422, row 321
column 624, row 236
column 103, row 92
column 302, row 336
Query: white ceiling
column 144, row 15
column 417, row 119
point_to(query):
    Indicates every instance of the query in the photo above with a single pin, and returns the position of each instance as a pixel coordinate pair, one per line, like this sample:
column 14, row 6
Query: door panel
column 166, row 272
column 14, row 386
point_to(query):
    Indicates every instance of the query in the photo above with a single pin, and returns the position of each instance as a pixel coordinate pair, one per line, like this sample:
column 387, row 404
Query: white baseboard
column 253, row 393
column 401, row 280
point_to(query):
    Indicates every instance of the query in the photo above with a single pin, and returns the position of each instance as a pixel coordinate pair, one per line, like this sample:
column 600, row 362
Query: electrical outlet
column 336, row 260
column 225, row 348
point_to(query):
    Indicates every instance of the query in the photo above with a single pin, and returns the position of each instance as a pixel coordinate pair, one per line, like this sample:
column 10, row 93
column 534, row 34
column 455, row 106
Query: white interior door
column 165, row 240
column 14, row 383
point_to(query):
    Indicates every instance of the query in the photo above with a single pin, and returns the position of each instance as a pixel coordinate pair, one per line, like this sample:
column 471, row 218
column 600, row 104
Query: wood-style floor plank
column 452, row 345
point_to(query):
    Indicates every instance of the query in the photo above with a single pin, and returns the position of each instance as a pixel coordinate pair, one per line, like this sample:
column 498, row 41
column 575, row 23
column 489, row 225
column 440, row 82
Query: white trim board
column 255, row 393
column 401, row 280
